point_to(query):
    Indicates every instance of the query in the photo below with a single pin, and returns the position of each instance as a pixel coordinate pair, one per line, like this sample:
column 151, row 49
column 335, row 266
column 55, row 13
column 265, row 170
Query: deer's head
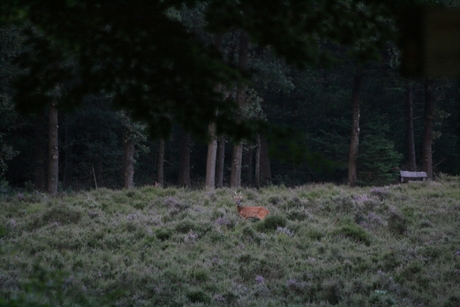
column 238, row 197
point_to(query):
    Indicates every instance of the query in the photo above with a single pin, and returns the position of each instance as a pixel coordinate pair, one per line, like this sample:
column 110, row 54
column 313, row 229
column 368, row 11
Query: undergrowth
column 321, row 245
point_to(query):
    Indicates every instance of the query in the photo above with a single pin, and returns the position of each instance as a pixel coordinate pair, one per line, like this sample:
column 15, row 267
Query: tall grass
column 321, row 245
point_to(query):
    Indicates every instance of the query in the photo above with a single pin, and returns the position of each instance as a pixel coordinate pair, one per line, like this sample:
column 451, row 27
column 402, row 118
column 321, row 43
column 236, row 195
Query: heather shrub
column 452, row 301
column 294, row 201
column 271, row 222
column 397, row 223
column 248, row 231
column 321, row 245
column 185, row 225
column 275, row 200
column 2, row 231
column 163, row 233
column 298, row 214
column 315, row 234
column 354, row 233
column 62, row 215
column 391, row 260
column 381, row 298
column 198, row 296
column 330, row 291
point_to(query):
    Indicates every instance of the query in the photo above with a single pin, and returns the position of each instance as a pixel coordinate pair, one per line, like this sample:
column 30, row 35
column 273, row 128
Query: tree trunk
column 40, row 154
column 68, row 153
column 184, row 163
column 237, row 156
column 211, row 160
column 248, row 160
column 354, row 142
column 428, row 130
column 265, row 169
column 128, row 163
column 210, row 181
column 257, row 166
column 53, row 148
column 161, row 162
column 220, row 162
column 97, row 171
column 410, row 143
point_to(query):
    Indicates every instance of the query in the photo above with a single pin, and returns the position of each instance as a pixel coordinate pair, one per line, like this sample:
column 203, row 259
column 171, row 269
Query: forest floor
column 321, row 245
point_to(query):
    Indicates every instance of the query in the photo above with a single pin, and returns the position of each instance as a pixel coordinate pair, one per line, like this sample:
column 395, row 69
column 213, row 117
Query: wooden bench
column 407, row 176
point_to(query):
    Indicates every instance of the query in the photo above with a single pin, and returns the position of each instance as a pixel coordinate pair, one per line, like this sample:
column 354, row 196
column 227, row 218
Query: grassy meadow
column 321, row 245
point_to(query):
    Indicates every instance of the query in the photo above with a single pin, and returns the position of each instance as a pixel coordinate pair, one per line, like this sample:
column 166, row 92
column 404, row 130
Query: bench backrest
column 412, row 175
column 408, row 174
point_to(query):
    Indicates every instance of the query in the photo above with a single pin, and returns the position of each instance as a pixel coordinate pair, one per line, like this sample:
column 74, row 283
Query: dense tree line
column 233, row 95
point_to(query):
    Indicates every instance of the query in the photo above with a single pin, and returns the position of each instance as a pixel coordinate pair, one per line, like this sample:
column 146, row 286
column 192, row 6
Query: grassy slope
column 321, row 245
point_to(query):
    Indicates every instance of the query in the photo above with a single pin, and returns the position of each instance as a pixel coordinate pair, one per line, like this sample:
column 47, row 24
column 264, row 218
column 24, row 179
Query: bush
column 274, row 200
column 185, row 226
column 315, row 234
column 198, row 296
column 58, row 215
column 381, row 299
column 200, row 275
column 298, row 214
column 397, row 223
column 63, row 215
column 355, row 233
column 2, row 231
column 206, row 255
column 163, row 233
column 452, row 301
column 271, row 223
column 331, row 291
column 391, row 260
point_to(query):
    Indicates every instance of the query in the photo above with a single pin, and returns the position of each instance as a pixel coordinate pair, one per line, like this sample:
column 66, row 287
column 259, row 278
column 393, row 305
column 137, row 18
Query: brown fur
column 246, row 212
column 255, row 212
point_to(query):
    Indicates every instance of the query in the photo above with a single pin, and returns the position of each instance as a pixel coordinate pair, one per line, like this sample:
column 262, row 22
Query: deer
column 247, row 211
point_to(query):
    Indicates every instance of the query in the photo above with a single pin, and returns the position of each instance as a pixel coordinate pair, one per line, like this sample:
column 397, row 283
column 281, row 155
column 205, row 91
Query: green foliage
column 315, row 234
column 354, row 233
column 10, row 40
column 91, row 57
column 6, row 153
column 381, row 299
column 61, row 215
column 198, row 296
column 183, row 79
column 96, row 131
column 377, row 156
column 271, row 222
column 2, row 231
column 452, row 301
column 313, row 103
column 44, row 288
column 397, row 223
column 274, row 200
column 185, row 226
column 204, row 254
column 4, row 186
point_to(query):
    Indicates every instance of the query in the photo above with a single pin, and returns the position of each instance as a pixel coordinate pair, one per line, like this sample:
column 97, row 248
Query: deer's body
column 255, row 212
column 248, row 211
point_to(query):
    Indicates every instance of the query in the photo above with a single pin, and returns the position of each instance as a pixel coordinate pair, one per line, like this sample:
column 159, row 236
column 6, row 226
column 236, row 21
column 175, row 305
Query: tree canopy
column 154, row 66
